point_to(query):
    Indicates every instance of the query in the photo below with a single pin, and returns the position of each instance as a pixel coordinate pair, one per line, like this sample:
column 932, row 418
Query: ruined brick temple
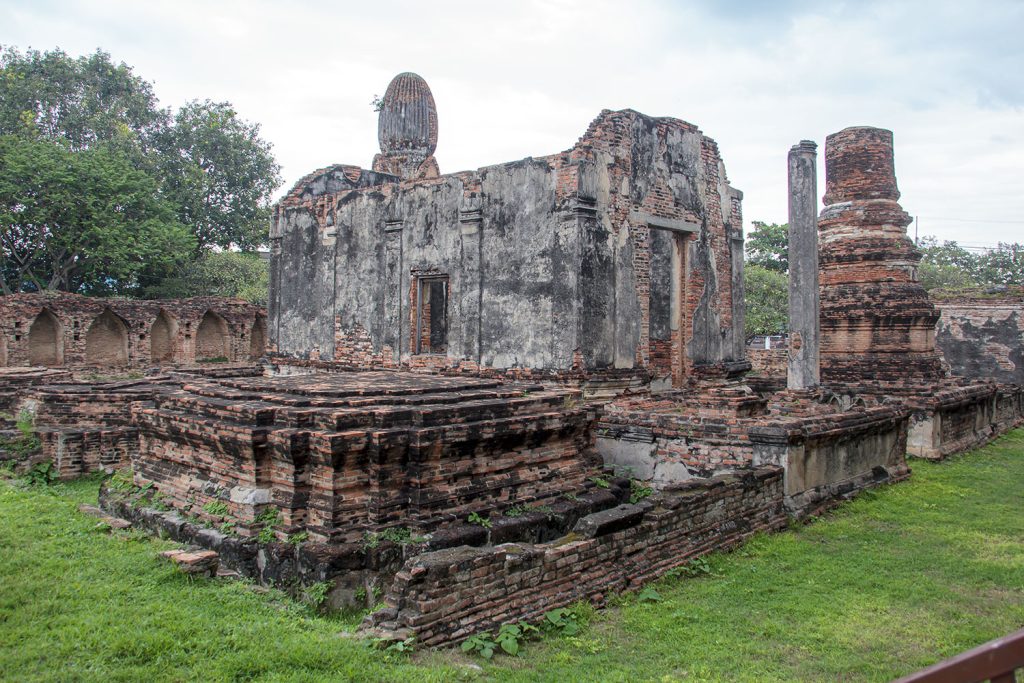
column 623, row 253
column 492, row 393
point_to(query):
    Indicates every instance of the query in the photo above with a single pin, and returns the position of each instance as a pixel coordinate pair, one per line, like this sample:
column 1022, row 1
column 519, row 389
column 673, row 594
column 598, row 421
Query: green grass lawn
column 888, row 584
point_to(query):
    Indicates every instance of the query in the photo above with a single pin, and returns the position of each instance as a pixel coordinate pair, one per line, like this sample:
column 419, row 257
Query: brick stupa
column 877, row 323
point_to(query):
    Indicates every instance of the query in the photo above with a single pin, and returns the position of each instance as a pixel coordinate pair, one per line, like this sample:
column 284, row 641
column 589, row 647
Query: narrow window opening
column 432, row 314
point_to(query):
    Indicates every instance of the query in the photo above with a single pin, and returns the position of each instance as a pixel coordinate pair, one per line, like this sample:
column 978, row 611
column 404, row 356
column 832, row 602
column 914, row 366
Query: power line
column 971, row 220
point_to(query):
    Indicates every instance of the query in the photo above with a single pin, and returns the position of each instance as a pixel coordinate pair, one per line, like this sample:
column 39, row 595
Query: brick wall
column 443, row 597
column 58, row 329
column 768, row 362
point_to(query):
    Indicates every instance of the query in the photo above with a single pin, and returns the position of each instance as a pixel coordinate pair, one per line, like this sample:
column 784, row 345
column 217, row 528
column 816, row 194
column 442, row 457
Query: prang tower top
column 407, row 129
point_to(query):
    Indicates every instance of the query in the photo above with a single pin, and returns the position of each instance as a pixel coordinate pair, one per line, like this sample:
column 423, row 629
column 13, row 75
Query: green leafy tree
column 79, row 101
column 949, row 266
column 220, row 174
column 85, row 221
column 1003, row 265
column 767, row 246
column 767, row 300
column 207, row 169
column 227, row 273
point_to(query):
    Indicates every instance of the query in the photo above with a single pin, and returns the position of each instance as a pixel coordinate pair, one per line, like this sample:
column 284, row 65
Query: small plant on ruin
column 216, row 508
column 698, row 566
column 475, row 518
column 121, row 480
column 571, row 496
column 396, row 534
column 377, row 103
column 316, row 594
column 648, row 594
column 515, row 511
column 481, row 643
column 623, row 471
column 637, row 491
column 360, row 595
column 390, row 646
column 7, row 469
column 564, row 621
column 545, row 510
column 510, row 636
column 269, row 517
column 601, row 482
column 214, row 359
column 26, row 442
column 298, row 538
column 41, row 474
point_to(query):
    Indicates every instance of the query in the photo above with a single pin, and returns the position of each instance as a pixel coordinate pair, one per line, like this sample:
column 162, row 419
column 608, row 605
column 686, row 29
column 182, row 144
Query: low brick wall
column 69, row 330
column 444, row 597
column 75, row 452
column 768, row 362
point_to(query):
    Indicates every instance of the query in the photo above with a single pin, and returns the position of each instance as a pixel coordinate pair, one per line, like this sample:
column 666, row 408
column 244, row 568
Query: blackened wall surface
column 983, row 336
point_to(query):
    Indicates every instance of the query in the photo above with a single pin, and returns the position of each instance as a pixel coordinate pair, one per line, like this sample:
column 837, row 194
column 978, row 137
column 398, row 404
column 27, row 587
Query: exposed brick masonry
column 69, row 330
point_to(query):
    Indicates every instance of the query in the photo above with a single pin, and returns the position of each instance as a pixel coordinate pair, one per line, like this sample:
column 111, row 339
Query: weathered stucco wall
column 983, row 336
column 545, row 263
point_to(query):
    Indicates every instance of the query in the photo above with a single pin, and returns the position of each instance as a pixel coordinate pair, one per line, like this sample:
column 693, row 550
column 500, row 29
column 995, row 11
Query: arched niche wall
column 212, row 340
column 258, row 338
column 46, row 340
column 106, row 341
column 162, row 334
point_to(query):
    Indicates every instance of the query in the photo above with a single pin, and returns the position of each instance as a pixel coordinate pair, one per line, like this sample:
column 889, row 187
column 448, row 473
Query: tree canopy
column 103, row 192
column 765, row 281
column 76, row 100
column 945, row 266
column 767, row 246
column 226, row 273
column 766, row 295
column 85, row 221
column 219, row 174
column 949, row 266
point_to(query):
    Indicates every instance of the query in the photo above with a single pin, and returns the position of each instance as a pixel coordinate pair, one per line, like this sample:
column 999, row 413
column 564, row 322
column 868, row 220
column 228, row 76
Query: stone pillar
column 804, row 326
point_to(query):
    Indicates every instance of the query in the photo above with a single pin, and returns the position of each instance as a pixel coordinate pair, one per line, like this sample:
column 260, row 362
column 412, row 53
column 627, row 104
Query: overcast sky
column 524, row 78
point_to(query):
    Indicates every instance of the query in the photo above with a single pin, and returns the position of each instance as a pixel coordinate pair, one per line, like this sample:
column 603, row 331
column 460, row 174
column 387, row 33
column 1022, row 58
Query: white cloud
column 520, row 79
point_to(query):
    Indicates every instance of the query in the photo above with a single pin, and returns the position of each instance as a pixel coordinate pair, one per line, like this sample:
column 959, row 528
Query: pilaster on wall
column 394, row 271
column 470, row 293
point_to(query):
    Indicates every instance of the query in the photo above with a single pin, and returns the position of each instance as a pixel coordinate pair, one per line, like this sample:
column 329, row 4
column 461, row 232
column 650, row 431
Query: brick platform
column 828, row 450
column 341, row 454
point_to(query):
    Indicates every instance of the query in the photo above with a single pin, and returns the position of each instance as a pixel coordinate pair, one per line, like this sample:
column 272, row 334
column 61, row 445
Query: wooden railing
column 995, row 661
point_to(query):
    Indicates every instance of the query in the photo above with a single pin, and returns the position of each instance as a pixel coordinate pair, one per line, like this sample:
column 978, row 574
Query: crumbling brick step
column 194, row 561
column 112, row 522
